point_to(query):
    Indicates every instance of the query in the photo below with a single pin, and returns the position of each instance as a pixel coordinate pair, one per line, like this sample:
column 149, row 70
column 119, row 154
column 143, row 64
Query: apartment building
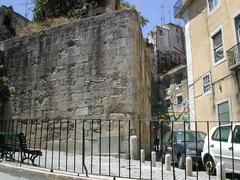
column 174, row 93
column 212, row 33
column 169, row 72
column 169, row 46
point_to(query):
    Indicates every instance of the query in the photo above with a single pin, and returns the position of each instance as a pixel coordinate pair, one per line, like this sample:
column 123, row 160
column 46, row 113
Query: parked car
column 181, row 146
column 222, row 144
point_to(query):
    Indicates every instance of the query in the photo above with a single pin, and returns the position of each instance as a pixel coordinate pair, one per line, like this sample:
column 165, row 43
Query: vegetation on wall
column 5, row 91
column 142, row 20
column 45, row 9
column 52, row 9
column 160, row 112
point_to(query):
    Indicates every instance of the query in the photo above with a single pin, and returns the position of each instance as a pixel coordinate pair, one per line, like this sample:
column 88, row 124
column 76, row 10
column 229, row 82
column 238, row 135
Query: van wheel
column 210, row 166
column 181, row 162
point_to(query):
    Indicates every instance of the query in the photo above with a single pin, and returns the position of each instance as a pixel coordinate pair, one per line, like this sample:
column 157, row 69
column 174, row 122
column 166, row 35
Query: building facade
column 175, row 93
column 212, row 33
column 169, row 72
column 169, row 47
column 10, row 22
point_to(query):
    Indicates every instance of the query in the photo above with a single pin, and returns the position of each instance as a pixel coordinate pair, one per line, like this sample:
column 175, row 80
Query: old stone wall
column 90, row 68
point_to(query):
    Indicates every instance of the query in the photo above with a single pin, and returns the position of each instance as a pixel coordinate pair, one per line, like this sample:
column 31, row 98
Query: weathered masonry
column 91, row 68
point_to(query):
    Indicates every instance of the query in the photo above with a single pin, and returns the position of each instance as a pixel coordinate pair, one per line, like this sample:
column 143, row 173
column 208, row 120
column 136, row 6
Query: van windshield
column 190, row 136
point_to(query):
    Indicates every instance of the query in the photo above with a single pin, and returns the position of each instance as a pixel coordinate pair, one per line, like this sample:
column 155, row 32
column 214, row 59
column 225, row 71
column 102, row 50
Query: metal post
column 189, row 166
column 83, row 150
column 168, row 160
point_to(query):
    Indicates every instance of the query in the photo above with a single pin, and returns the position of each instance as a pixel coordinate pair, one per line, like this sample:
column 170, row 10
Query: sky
column 158, row 12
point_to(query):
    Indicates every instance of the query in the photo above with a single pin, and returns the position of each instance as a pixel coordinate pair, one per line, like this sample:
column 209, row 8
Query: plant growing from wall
column 45, row 9
column 5, row 90
column 142, row 20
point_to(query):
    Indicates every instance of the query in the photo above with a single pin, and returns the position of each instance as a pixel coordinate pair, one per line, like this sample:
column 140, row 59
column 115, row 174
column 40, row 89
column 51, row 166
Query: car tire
column 181, row 162
column 210, row 166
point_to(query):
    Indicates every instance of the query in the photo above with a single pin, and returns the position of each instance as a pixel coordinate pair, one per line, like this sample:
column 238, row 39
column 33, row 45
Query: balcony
column 180, row 7
column 233, row 55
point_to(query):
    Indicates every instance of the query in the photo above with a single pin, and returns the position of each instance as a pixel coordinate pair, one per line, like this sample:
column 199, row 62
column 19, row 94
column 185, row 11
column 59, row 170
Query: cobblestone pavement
column 117, row 167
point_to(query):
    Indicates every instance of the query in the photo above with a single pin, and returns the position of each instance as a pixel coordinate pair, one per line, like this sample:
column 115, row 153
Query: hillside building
column 212, row 33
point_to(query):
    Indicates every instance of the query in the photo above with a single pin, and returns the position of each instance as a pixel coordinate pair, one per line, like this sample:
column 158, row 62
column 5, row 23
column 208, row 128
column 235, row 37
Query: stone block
column 134, row 151
column 114, row 145
column 82, row 111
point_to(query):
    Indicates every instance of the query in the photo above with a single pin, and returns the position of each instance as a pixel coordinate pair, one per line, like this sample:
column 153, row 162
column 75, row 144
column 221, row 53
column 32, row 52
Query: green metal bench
column 10, row 143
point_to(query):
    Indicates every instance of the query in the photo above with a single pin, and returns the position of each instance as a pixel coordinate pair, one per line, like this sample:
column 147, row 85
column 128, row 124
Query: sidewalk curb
column 35, row 173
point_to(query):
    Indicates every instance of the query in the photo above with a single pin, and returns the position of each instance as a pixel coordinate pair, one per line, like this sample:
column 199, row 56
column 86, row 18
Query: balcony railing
column 233, row 55
column 177, row 7
column 180, row 6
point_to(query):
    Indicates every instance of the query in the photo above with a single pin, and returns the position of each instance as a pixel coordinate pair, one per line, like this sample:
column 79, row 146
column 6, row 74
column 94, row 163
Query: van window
column 166, row 137
column 225, row 130
column 191, row 136
column 236, row 135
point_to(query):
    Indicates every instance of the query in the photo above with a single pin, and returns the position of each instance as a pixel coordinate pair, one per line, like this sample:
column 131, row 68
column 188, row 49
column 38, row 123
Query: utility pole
column 162, row 14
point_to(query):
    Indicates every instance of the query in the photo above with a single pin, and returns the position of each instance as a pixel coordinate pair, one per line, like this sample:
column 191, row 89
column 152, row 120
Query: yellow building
column 212, row 32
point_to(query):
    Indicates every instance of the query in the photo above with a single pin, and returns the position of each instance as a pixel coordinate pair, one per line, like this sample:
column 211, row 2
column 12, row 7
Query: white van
column 222, row 144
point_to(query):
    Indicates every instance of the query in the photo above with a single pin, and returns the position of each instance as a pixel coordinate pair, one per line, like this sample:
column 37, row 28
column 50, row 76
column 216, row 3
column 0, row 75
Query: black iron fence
column 124, row 148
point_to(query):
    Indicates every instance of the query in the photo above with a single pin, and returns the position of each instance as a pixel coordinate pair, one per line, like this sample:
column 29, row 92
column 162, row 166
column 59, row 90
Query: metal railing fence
column 115, row 148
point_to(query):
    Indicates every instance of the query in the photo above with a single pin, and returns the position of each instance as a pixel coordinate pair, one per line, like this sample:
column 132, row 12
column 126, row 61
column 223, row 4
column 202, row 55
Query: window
column 225, row 130
column 237, row 26
column 179, row 79
column 236, row 134
column 218, row 46
column 158, row 53
column 238, row 34
column 207, row 84
column 213, row 4
column 167, row 83
column 177, row 39
column 160, row 32
column 223, row 112
column 191, row 136
column 167, row 137
column 179, row 99
column 168, row 102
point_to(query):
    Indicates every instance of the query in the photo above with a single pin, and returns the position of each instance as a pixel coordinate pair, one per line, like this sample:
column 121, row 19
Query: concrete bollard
column 189, row 166
column 221, row 171
column 142, row 156
column 154, row 159
column 134, row 148
column 168, row 159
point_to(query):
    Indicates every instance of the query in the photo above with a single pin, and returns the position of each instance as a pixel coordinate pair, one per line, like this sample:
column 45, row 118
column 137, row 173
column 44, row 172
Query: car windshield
column 191, row 136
